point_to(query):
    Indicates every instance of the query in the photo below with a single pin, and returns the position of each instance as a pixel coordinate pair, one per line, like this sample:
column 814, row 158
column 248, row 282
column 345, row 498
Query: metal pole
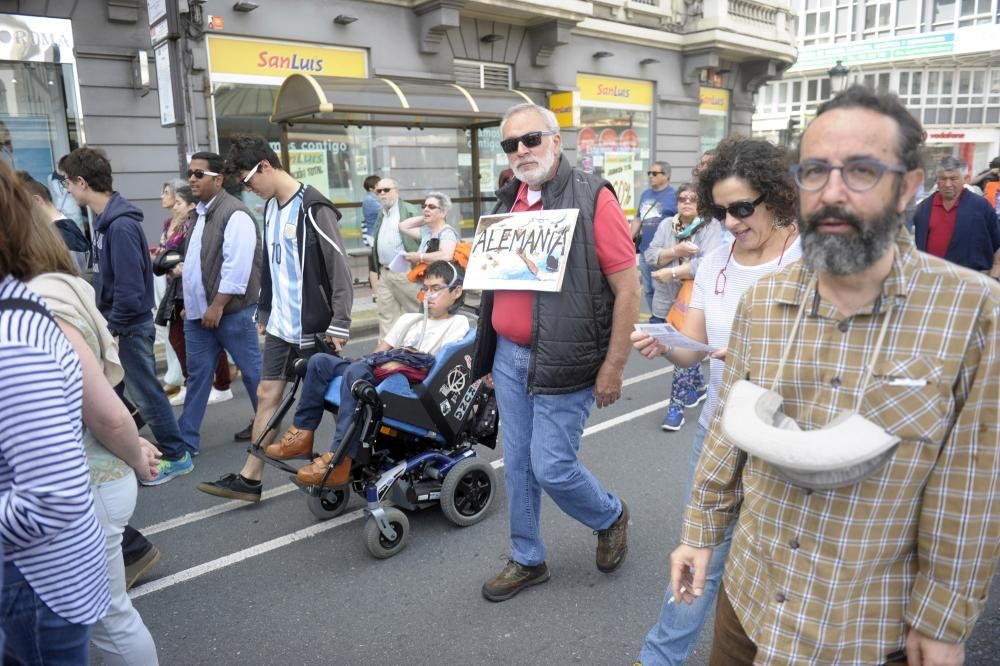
column 284, row 148
column 476, row 189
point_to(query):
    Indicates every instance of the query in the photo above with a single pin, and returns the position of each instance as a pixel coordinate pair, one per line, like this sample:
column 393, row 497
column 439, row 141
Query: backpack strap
column 12, row 304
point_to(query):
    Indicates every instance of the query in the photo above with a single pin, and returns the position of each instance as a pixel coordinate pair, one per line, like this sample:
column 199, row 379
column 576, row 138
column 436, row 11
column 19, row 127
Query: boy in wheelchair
column 415, row 332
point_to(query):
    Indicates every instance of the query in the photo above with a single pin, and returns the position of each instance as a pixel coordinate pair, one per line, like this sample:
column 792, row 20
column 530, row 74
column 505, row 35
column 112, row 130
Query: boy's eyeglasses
column 740, row 210
column 253, row 172
column 530, row 140
column 434, row 288
column 201, row 173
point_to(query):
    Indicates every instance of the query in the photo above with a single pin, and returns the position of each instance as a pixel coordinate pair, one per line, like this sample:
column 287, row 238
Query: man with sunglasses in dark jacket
column 306, row 289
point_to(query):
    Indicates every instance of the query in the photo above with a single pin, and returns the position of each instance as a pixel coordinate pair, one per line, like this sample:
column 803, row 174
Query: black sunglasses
column 654, row 173
column 740, row 210
column 530, row 140
column 383, row 190
column 201, row 173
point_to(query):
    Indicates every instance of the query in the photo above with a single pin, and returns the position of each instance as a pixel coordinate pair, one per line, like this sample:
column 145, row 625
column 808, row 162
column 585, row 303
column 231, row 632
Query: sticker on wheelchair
column 463, row 407
column 445, row 407
column 454, row 382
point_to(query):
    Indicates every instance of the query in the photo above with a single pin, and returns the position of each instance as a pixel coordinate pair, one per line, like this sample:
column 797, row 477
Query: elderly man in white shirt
column 394, row 293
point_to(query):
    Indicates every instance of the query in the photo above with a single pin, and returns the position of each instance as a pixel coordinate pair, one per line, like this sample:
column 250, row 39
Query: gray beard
column 846, row 254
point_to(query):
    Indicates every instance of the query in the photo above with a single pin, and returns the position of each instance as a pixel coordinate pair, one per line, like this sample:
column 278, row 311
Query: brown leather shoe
column 313, row 473
column 612, row 543
column 294, row 443
column 514, row 578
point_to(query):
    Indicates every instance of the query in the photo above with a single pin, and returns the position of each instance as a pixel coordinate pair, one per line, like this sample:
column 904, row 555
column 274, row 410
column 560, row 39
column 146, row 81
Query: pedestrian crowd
column 843, row 486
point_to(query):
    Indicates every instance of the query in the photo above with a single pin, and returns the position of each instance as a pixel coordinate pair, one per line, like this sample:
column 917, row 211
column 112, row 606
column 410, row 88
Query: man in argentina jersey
column 306, row 289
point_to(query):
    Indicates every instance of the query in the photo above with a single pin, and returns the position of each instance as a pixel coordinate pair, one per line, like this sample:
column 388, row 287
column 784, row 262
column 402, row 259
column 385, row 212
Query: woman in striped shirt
column 55, row 571
column 111, row 441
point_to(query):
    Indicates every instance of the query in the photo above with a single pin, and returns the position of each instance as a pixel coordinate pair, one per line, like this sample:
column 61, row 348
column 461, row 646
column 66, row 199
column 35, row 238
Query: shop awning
column 382, row 102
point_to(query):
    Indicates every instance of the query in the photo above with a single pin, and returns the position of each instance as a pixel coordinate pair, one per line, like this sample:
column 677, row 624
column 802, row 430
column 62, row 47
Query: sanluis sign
column 605, row 91
column 254, row 61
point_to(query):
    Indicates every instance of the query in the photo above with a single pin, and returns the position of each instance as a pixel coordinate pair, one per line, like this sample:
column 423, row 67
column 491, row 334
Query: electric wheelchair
column 417, row 448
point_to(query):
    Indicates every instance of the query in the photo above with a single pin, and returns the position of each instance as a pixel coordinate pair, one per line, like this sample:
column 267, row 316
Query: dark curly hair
column 762, row 165
column 247, row 151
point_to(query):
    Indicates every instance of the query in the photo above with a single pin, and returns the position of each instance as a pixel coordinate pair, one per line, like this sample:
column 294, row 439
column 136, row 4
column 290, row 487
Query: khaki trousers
column 394, row 296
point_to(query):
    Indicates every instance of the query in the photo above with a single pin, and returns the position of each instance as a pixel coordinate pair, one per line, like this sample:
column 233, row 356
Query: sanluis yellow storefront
column 614, row 117
column 245, row 76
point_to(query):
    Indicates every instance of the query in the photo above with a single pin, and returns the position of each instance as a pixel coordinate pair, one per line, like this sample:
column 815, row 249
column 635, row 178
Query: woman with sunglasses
column 746, row 185
column 437, row 238
column 676, row 250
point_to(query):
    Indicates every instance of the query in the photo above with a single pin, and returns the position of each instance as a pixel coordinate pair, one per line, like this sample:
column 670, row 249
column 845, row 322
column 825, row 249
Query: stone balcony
column 740, row 30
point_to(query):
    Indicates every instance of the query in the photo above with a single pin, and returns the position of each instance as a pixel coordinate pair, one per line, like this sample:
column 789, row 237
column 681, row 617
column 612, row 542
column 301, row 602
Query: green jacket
column 406, row 209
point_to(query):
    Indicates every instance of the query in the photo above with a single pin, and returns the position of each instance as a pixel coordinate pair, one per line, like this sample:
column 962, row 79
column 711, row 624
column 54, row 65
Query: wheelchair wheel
column 468, row 491
column 376, row 542
column 329, row 503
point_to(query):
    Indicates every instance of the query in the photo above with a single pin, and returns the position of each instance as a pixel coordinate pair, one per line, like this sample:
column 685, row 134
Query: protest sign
column 527, row 250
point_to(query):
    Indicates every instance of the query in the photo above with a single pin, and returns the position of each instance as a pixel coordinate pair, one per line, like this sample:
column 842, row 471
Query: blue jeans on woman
column 34, row 634
column 673, row 637
column 541, row 442
column 135, row 348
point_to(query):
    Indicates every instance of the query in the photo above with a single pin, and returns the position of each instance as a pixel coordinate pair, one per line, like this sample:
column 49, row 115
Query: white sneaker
column 219, row 396
column 178, row 399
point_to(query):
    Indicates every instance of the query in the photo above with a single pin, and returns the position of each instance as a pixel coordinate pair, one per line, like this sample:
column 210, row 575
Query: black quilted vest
column 571, row 329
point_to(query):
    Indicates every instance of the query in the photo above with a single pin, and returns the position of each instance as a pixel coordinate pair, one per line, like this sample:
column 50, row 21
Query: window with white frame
column 816, row 20
column 878, row 18
column 961, row 13
column 907, row 17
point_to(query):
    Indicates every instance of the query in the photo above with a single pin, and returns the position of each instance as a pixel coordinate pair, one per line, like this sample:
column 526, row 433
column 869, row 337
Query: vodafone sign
column 962, row 135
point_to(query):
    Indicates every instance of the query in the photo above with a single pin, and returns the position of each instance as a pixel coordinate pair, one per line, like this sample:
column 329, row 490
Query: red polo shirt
column 941, row 225
column 512, row 310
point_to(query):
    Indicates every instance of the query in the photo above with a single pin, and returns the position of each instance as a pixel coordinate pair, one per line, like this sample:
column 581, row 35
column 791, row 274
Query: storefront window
column 713, row 117
column 615, row 131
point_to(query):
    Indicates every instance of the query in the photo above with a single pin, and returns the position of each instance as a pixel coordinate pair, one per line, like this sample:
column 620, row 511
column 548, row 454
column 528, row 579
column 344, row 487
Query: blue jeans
column 671, row 640
column 135, row 348
column 236, row 334
column 323, row 369
column 541, row 442
column 647, row 282
column 35, row 635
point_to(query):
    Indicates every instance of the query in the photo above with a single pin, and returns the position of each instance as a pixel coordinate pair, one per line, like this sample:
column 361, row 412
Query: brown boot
column 312, row 474
column 294, row 443
column 514, row 578
column 612, row 543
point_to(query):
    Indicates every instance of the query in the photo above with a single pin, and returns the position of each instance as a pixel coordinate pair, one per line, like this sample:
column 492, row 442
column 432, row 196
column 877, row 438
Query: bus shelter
column 420, row 108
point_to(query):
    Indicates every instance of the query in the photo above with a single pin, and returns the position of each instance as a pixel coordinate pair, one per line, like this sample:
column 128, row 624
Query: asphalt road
column 269, row 584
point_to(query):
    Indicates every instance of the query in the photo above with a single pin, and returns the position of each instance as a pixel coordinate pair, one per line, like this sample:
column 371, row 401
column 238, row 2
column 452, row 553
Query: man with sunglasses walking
column 395, row 295
column 552, row 354
column 221, row 281
column 123, row 284
column 656, row 204
column 306, row 292
column 878, row 555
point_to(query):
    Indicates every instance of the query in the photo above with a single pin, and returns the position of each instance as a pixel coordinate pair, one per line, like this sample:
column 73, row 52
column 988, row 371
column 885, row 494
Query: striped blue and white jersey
column 47, row 522
column 280, row 226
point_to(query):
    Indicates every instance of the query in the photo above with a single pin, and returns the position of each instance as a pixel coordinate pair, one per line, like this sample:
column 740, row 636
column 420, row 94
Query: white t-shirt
column 720, row 309
column 409, row 328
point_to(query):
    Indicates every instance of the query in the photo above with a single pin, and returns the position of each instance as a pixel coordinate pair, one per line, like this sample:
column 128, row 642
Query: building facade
column 939, row 56
column 632, row 81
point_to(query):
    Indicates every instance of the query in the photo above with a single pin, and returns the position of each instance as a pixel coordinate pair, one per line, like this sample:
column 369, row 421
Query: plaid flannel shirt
column 836, row 576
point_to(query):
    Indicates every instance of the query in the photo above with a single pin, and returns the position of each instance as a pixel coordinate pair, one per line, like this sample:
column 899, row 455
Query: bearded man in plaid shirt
column 896, row 565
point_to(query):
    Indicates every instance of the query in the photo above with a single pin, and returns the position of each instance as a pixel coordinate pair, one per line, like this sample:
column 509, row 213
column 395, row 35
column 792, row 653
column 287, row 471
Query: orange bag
column 679, row 309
